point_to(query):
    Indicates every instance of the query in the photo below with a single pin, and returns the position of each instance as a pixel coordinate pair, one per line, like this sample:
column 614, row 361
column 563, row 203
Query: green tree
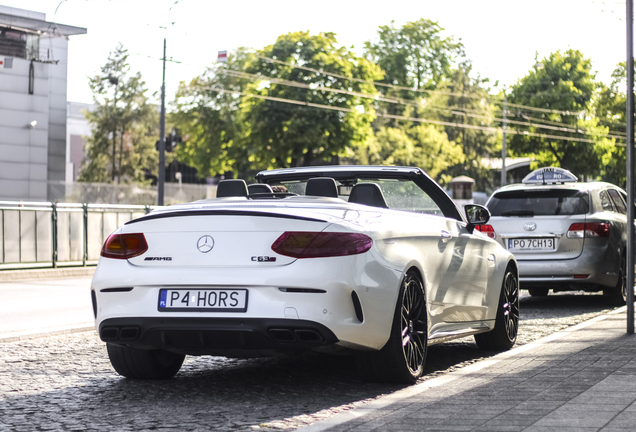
column 465, row 102
column 298, row 134
column 421, row 145
column 415, row 58
column 416, row 55
column 121, row 147
column 561, row 86
column 209, row 119
column 610, row 105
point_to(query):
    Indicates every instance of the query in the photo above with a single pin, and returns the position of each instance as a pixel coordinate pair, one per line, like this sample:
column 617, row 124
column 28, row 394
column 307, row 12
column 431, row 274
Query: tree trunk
column 114, row 155
column 121, row 153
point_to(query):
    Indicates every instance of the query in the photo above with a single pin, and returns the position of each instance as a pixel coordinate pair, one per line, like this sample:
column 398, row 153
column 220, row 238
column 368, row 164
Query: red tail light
column 124, row 246
column 299, row 244
column 487, row 229
column 589, row 229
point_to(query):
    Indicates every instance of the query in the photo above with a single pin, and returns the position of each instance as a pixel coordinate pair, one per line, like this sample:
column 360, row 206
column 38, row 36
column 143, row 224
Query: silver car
column 566, row 235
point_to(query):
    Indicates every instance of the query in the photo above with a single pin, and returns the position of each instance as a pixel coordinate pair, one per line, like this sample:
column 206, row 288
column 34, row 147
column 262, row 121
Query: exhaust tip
column 306, row 335
column 128, row 333
column 109, row 333
column 282, row 335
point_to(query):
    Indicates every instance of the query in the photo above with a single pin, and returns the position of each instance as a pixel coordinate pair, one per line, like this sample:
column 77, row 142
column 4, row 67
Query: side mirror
column 476, row 214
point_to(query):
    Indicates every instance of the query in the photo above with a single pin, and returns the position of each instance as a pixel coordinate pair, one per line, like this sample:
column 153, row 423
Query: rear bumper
column 597, row 269
column 292, row 295
column 222, row 336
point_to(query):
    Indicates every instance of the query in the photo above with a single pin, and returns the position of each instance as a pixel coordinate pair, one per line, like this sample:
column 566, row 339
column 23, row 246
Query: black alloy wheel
column 403, row 357
column 504, row 335
column 622, row 280
column 618, row 293
column 413, row 325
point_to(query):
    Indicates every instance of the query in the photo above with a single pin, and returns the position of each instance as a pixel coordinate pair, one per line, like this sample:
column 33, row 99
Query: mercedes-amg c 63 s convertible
column 374, row 261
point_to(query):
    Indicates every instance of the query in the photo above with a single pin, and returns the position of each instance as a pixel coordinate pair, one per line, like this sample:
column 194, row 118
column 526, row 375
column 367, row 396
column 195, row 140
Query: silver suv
column 566, row 235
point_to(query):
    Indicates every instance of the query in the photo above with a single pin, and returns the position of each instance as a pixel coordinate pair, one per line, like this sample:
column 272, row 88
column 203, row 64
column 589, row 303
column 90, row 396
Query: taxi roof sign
column 549, row 175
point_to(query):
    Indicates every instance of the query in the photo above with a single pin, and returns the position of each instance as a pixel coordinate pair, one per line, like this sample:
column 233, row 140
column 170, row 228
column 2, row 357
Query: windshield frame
column 355, row 173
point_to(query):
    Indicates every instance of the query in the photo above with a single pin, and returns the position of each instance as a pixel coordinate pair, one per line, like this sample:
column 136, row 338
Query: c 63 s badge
column 263, row 258
column 158, row 259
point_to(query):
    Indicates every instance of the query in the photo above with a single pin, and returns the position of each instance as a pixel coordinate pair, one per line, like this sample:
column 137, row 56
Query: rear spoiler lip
column 221, row 213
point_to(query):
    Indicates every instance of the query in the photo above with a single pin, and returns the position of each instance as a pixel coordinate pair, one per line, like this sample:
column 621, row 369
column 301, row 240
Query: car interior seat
column 369, row 194
column 231, row 188
column 322, row 186
column 257, row 188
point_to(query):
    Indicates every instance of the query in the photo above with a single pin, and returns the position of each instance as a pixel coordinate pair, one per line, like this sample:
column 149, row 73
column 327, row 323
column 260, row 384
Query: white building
column 33, row 104
column 77, row 130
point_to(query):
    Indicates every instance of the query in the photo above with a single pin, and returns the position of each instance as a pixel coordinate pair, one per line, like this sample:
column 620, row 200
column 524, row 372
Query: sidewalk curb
column 35, row 334
column 387, row 400
column 65, row 272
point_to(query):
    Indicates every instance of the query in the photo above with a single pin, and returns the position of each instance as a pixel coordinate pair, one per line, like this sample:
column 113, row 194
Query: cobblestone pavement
column 66, row 382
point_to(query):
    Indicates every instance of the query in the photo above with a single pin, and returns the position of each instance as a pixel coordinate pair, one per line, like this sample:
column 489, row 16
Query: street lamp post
column 503, row 143
column 162, row 134
column 630, row 166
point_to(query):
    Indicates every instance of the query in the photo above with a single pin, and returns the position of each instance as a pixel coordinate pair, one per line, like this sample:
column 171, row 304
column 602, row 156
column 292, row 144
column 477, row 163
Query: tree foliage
column 299, row 134
column 414, row 58
column 421, row 145
column 121, row 147
column 415, row 55
column 209, row 119
column 464, row 102
column 610, row 108
column 561, row 86
column 306, row 100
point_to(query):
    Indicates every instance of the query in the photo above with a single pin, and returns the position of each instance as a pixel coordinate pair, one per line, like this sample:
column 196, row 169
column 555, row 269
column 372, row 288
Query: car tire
column 618, row 293
column 144, row 364
column 402, row 358
column 538, row 292
column 504, row 335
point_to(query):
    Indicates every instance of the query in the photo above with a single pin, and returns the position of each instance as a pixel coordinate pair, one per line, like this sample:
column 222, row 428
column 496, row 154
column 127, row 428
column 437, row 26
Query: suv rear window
column 544, row 202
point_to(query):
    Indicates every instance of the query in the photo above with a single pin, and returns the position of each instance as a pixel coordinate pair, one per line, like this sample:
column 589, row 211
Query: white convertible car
column 375, row 261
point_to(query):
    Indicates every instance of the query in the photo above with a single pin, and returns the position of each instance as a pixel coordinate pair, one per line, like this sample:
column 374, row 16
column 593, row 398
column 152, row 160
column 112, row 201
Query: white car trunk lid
column 217, row 240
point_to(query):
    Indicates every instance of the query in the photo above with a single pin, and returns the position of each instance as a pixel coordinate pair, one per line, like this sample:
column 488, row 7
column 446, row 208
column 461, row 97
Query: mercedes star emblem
column 530, row 226
column 205, row 244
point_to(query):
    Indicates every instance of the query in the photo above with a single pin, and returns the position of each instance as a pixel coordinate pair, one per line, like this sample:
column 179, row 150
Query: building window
column 20, row 44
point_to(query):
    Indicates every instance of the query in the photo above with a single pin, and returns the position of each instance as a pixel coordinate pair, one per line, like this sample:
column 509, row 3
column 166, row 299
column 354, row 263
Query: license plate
column 530, row 244
column 202, row 300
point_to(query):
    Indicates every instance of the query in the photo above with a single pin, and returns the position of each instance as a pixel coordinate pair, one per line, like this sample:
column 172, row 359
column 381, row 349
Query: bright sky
column 500, row 36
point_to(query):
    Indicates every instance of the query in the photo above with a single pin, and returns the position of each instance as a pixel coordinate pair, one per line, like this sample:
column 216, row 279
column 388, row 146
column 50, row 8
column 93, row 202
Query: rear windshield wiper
column 518, row 213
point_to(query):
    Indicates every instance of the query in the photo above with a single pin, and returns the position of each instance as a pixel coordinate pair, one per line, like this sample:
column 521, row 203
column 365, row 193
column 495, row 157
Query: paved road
column 34, row 305
column 66, row 382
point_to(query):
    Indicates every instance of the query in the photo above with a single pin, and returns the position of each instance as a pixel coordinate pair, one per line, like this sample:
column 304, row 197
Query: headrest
column 231, row 188
column 322, row 186
column 259, row 188
column 369, row 194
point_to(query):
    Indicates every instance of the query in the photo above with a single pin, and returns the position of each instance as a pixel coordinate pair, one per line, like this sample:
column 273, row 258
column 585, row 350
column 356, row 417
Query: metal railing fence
column 44, row 234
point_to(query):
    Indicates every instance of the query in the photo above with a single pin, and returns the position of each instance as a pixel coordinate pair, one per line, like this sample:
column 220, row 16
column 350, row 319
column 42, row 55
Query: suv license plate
column 202, row 300
column 530, row 244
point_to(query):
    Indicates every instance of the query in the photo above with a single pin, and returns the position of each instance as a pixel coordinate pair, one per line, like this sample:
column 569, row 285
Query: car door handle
column 446, row 236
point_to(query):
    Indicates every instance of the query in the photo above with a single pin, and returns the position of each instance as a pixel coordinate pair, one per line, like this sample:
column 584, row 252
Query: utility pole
column 630, row 166
column 162, row 133
column 503, row 143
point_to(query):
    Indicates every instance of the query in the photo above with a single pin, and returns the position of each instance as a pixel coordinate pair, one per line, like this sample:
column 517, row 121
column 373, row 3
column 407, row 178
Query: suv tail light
column 301, row 244
column 589, row 229
column 487, row 229
column 124, row 246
